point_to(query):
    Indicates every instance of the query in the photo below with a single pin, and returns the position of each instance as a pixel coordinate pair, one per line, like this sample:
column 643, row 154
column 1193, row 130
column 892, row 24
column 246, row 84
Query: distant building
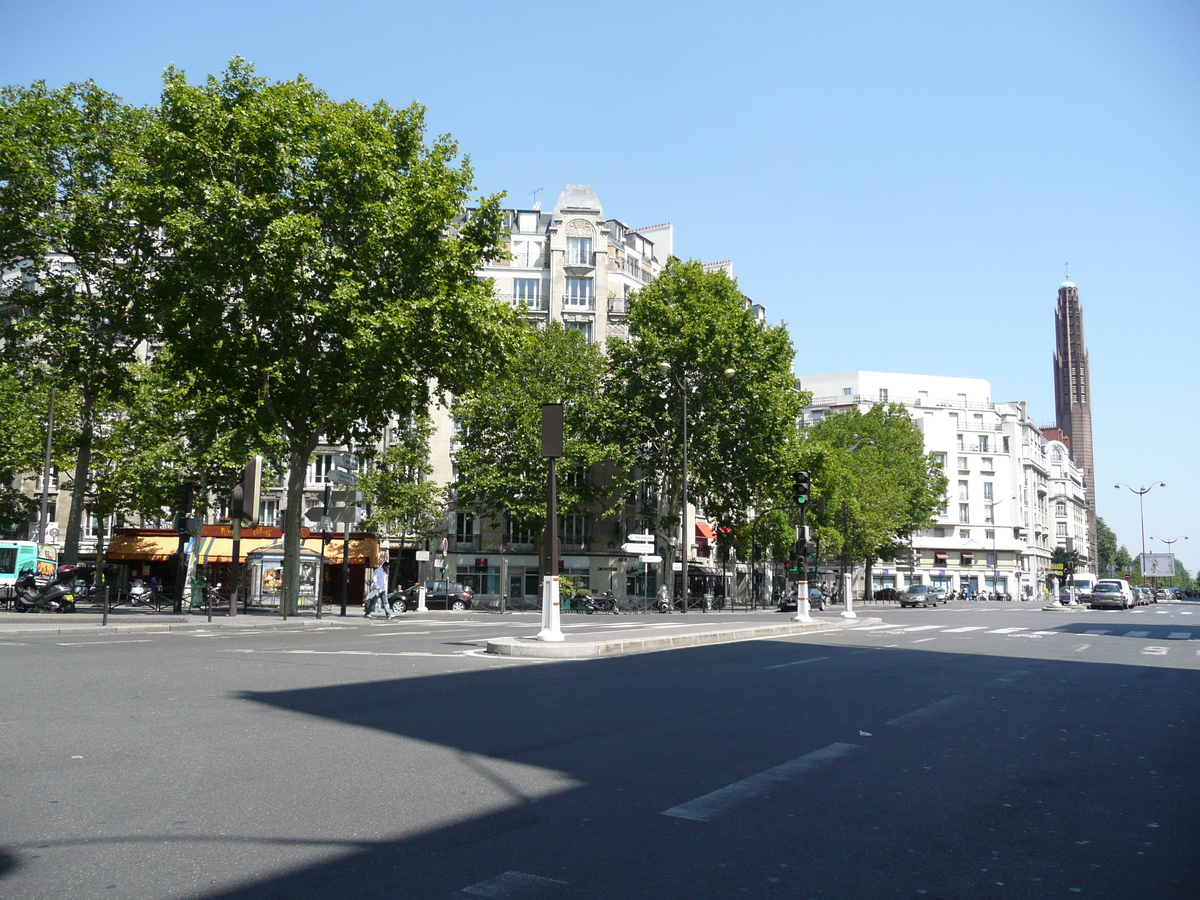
column 1012, row 495
column 1073, row 392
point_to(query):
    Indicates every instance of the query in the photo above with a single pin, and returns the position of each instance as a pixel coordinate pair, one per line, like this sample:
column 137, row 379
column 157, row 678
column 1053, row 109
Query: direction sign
column 344, row 459
column 314, row 513
column 650, row 558
column 351, row 514
column 326, row 524
column 640, row 538
column 339, row 477
column 346, row 497
column 636, row 549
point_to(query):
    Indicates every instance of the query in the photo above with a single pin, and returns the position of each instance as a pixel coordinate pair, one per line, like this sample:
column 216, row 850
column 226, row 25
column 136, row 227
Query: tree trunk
column 289, row 601
column 83, row 465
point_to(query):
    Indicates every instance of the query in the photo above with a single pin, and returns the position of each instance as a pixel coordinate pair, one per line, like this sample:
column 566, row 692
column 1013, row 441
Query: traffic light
column 801, row 487
column 246, row 494
column 757, row 552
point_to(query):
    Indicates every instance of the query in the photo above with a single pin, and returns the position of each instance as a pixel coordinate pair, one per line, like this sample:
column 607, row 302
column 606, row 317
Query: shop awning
column 141, row 548
column 128, row 547
column 704, row 532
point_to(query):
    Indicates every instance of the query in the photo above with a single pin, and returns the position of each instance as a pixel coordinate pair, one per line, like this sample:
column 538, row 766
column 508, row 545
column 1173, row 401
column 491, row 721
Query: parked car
column 919, row 595
column 438, row 595
column 1114, row 593
column 887, row 595
column 1165, row 595
column 1145, row 595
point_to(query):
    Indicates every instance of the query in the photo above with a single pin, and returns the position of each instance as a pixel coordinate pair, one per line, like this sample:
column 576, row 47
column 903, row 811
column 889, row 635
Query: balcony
column 587, row 304
column 579, row 261
column 536, row 304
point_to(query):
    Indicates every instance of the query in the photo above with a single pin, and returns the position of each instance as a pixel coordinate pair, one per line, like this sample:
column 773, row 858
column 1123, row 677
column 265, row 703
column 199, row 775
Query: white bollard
column 421, row 607
column 847, row 602
column 802, row 610
column 551, row 629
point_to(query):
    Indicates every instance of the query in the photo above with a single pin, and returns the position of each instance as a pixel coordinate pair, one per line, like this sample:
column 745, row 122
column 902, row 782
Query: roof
column 577, row 196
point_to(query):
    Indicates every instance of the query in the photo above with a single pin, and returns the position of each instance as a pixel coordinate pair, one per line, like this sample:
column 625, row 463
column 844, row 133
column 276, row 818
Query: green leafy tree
column 742, row 405
column 84, row 257
column 23, row 401
column 316, row 261
column 500, row 470
column 405, row 502
column 878, row 483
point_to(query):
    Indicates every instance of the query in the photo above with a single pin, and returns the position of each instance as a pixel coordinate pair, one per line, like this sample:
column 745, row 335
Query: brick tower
column 1073, row 393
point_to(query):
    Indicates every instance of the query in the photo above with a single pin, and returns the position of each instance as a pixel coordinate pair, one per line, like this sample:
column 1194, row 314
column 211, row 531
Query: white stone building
column 1012, row 496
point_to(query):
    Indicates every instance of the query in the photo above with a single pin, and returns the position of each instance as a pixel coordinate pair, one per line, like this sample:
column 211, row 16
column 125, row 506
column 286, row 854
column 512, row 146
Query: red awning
column 968, row 556
column 704, row 532
column 940, row 556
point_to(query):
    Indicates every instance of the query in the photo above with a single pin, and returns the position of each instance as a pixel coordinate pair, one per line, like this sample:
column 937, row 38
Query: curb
column 531, row 648
column 155, row 627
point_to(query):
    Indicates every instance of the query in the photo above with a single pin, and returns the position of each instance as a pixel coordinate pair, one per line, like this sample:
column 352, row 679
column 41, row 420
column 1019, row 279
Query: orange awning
column 162, row 548
column 705, row 532
column 141, row 547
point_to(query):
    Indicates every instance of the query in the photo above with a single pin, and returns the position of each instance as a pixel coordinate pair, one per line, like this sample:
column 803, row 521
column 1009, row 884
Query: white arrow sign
column 650, row 558
column 640, row 538
column 635, row 549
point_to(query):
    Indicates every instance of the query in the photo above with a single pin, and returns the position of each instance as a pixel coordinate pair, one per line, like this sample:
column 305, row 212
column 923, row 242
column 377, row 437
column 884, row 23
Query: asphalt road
column 980, row 750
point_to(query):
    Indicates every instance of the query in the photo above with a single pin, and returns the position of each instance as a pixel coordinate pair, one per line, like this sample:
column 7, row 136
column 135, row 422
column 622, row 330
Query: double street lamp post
column 1142, row 492
column 1182, row 537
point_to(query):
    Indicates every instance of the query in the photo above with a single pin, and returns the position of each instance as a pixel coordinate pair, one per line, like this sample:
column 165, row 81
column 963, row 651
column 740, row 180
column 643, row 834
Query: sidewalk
column 657, row 634
column 140, row 621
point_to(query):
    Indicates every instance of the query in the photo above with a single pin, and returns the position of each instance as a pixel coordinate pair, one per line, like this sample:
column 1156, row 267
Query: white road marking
column 1098, row 631
column 1137, row 634
column 102, row 641
column 797, row 662
column 872, row 627
column 923, row 640
column 925, row 713
column 964, row 630
column 1179, row 636
column 1006, row 630
column 921, row 628
column 710, row 806
column 1155, row 651
column 1045, row 632
column 512, row 884
column 1079, row 648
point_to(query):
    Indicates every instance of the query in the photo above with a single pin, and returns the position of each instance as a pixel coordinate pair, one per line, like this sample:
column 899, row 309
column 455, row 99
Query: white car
column 1113, row 593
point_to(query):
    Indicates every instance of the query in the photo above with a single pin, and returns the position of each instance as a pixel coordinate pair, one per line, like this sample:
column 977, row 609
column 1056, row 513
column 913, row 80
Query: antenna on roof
column 536, row 204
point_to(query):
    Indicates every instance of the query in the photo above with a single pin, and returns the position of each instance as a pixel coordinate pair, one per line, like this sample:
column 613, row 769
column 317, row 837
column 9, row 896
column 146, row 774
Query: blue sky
column 901, row 183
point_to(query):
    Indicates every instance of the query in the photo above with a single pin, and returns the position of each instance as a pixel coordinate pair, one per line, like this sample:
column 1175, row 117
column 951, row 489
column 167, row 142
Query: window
column 579, row 292
column 579, row 251
column 319, row 469
column 464, row 529
column 983, row 443
column 883, row 397
column 964, row 533
column 574, row 531
column 582, row 578
column 518, row 534
column 1061, row 529
column 991, row 559
column 1060, row 508
column 988, row 464
column 964, row 513
column 584, row 328
column 846, row 392
column 527, row 254
column 1056, row 455
column 527, row 291
column 987, row 490
column 962, row 462
column 989, row 535
column 988, row 513
column 963, row 491
column 939, row 459
column 268, row 513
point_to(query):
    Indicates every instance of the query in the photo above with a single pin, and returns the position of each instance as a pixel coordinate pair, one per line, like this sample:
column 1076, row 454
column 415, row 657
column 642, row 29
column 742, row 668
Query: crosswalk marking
column 1098, row 631
column 1137, row 634
column 921, row 628
column 1020, row 632
column 1179, row 635
column 1006, row 630
column 965, row 630
column 512, row 884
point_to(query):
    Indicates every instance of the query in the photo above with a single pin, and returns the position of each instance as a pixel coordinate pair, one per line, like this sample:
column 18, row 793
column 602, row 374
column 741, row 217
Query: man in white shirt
column 378, row 594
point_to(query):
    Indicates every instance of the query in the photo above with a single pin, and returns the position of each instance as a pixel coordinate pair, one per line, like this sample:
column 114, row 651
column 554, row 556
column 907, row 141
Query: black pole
column 345, row 566
column 235, row 568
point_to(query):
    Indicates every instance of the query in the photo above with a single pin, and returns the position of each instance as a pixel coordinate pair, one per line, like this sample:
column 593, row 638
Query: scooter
column 139, row 593
column 589, row 604
column 53, row 597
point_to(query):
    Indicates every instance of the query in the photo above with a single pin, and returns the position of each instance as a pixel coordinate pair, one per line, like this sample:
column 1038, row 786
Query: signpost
column 642, row 546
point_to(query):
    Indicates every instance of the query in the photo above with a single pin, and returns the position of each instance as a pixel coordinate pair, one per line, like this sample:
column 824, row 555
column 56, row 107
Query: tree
column 500, row 469
column 316, row 261
column 66, row 225
column 742, row 424
column 22, row 400
column 404, row 501
column 880, row 493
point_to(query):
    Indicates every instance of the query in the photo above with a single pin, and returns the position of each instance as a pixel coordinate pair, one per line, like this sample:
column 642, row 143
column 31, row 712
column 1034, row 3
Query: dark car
column 437, row 596
column 887, row 595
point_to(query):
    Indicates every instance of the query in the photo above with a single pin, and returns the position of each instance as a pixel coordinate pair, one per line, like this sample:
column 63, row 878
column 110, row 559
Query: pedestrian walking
column 378, row 593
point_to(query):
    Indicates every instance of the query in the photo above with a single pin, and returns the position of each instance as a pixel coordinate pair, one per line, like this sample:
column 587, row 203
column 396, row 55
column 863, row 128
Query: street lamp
column 1182, row 537
column 685, row 381
column 1142, row 492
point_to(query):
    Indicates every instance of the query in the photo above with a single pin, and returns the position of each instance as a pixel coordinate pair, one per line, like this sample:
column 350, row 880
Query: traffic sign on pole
column 650, row 558
column 636, row 549
column 640, row 538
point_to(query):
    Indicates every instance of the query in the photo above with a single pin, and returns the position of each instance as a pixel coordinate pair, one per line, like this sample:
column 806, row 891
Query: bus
column 17, row 557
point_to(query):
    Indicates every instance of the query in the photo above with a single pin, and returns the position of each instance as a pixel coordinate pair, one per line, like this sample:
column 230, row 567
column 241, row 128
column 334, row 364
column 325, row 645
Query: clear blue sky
column 901, row 183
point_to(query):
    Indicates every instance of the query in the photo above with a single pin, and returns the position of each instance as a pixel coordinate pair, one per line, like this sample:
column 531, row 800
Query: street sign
column 345, row 497
column 640, row 538
column 314, row 513
column 350, row 514
column 339, row 477
column 636, row 549
column 326, row 524
column 607, row 569
column 677, row 567
column 650, row 558
column 344, row 459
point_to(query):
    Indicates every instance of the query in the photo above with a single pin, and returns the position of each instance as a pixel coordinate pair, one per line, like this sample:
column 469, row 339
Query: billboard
column 1158, row 565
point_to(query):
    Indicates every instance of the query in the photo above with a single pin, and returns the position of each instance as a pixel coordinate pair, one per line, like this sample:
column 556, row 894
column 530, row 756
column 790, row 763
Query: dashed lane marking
column 923, row 640
column 1079, row 648
column 797, row 662
column 925, row 713
column 921, row 628
column 102, row 642
column 512, row 885
column 711, row 806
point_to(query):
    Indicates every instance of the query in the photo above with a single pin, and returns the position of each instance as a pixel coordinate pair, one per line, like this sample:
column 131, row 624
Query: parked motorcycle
column 606, row 602
column 139, row 593
column 53, row 597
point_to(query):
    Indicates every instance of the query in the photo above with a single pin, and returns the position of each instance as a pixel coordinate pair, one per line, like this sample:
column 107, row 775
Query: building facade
column 1073, row 391
column 1013, row 495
